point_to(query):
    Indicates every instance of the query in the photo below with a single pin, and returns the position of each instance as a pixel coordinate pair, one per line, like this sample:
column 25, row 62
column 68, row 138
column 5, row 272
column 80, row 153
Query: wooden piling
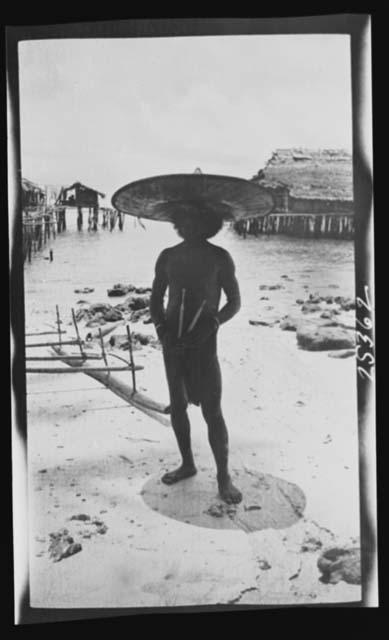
column 95, row 218
column 79, row 218
column 307, row 225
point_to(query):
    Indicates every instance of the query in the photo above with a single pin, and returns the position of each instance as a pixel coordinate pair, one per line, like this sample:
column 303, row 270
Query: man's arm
column 158, row 290
column 230, row 287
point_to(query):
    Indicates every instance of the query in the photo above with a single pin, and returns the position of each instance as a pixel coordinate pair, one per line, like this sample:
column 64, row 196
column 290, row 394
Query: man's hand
column 161, row 331
column 165, row 336
column 205, row 327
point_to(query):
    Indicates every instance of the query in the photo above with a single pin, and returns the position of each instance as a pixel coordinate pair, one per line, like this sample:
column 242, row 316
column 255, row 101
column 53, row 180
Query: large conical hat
column 157, row 197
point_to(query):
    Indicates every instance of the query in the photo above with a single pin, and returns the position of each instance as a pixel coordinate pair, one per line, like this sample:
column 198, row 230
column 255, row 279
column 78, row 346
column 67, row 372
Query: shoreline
column 292, row 420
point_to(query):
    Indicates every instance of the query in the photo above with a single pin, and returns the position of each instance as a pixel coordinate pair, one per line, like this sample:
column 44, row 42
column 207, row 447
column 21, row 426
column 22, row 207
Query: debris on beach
column 346, row 304
column 118, row 290
column 339, row 563
column 296, row 575
column 324, row 338
column 62, row 545
column 320, row 331
column 83, row 517
column 288, row 324
column 134, row 302
column 122, row 289
column 310, row 544
column 327, row 314
column 310, row 307
column 120, row 341
column 270, row 287
column 101, row 527
column 263, row 564
column 348, row 353
column 84, row 290
column 262, row 323
column 98, row 314
column 220, row 510
column 134, row 308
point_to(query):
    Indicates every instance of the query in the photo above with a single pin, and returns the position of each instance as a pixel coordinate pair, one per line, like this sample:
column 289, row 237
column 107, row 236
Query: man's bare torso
column 197, row 269
column 203, row 270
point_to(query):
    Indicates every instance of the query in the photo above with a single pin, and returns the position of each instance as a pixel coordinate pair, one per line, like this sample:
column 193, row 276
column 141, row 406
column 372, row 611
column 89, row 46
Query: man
column 195, row 272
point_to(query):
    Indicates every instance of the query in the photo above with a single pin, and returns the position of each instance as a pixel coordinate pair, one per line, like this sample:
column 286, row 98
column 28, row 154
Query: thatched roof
column 76, row 185
column 29, row 186
column 324, row 174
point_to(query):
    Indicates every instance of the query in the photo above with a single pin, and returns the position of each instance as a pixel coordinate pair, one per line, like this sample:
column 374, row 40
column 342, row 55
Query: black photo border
column 357, row 26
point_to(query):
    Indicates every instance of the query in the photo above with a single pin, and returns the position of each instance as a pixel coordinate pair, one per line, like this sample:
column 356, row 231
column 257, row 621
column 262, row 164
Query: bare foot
column 228, row 492
column 185, row 471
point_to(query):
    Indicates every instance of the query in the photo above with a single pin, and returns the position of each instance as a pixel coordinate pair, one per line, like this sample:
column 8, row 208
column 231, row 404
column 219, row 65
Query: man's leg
column 180, row 422
column 217, row 431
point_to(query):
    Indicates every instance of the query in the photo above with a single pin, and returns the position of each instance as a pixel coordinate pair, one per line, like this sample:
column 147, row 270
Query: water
column 103, row 258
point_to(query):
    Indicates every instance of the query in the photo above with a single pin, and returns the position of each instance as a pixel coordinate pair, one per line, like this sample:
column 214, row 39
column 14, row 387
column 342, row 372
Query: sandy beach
column 94, row 462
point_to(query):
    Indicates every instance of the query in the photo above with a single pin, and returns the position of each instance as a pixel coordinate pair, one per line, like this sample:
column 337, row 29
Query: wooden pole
column 58, row 324
column 131, row 357
column 181, row 316
column 74, row 357
column 44, row 333
column 51, row 344
column 102, row 347
column 77, row 333
column 196, row 316
column 78, row 369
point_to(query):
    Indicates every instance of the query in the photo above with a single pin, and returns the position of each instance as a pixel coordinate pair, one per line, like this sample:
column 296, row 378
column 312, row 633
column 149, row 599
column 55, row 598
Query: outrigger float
column 80, row 363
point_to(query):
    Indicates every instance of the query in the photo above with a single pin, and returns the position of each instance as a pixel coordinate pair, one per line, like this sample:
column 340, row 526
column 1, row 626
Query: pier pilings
column 39, row 227
column 299, row 225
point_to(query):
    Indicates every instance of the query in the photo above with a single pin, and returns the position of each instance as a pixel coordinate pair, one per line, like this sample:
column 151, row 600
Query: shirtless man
column 195, row 272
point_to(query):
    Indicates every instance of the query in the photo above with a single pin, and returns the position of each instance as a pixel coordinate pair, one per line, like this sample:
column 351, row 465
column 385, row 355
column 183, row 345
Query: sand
column 292, row 420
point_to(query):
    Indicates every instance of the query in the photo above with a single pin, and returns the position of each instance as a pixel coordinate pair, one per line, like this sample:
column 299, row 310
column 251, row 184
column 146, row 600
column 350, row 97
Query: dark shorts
column 193, row 375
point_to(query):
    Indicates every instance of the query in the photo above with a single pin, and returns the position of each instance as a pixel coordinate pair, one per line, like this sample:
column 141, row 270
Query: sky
column 106, row 112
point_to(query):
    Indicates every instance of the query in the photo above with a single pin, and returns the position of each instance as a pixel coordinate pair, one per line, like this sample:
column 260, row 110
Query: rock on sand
column 324, row 338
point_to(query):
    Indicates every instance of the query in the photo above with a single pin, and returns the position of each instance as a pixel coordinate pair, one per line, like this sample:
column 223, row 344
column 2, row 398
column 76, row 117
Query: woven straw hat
column 157, row 197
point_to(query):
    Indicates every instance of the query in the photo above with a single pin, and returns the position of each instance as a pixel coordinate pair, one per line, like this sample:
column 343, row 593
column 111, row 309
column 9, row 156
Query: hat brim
column 229, row 197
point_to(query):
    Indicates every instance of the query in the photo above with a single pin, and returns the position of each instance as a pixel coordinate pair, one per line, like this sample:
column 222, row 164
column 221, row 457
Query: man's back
column 202, row 270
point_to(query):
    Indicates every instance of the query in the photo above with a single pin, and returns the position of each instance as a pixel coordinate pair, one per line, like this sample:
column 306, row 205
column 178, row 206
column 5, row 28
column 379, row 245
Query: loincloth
column 186, row 368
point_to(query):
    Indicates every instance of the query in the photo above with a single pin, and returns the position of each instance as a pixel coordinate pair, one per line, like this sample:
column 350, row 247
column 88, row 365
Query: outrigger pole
column 78, row 364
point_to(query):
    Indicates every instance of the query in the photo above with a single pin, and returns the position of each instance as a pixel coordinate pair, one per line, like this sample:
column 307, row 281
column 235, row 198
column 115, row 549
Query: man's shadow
column 268, row 502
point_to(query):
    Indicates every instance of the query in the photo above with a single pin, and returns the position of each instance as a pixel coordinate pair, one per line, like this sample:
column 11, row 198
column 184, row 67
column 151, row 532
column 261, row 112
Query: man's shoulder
column 167, row 251
column 220, row 252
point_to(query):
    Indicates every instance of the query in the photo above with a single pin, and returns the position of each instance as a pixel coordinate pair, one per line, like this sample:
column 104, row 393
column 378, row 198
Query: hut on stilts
column 312, row 192
column 82, row 197
column 38, row 219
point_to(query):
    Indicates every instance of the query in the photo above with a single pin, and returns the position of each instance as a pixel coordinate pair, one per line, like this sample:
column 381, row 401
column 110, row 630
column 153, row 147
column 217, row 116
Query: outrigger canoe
column 124, row 390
